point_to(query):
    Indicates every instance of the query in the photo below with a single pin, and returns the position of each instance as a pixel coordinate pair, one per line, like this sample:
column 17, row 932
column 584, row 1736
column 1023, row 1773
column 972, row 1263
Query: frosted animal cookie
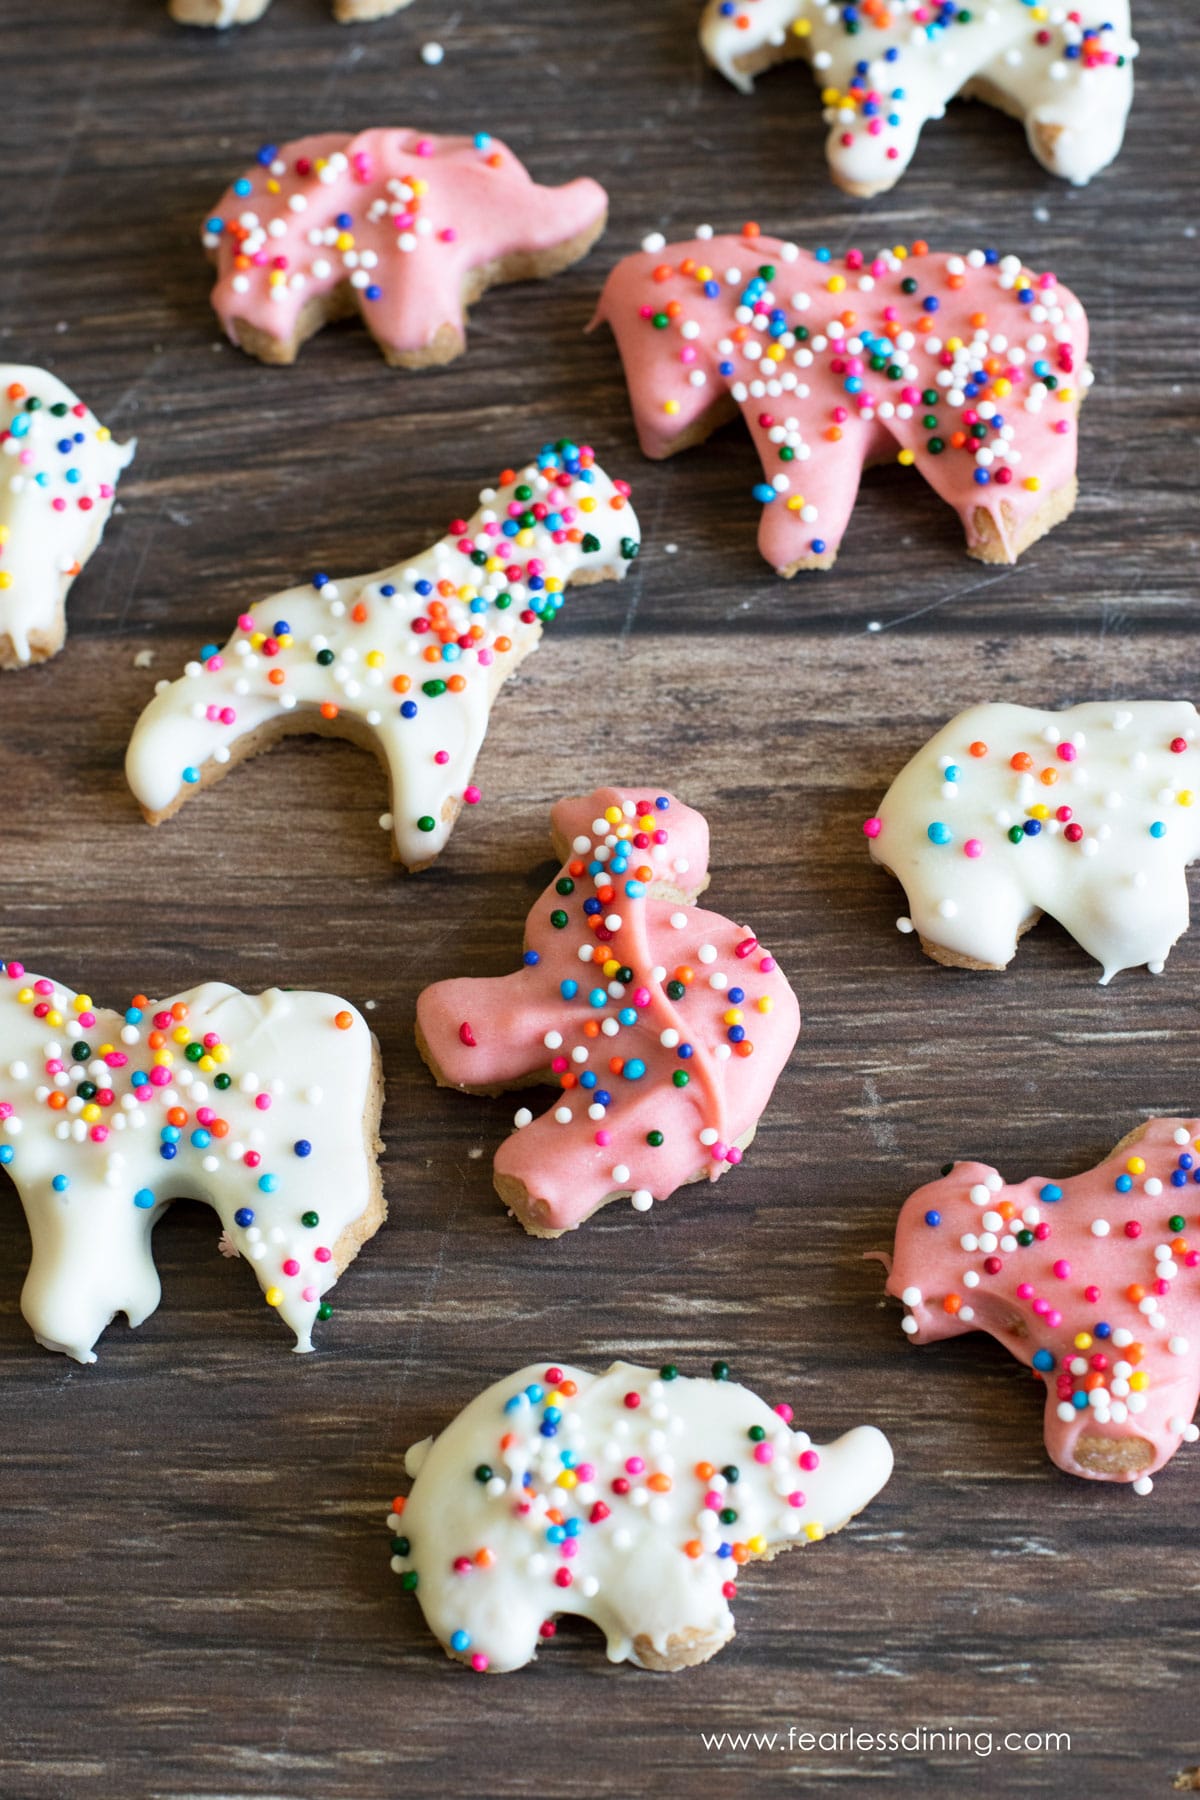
column 1088, row 1279
column 970, row 368
column 664, row 1027
column 223, row 13
column 1009, row 812
column 265, row 1106
column 629, row 1498
column 406, row 662
column 886, row 66
column 404, row 227
column 57, row 483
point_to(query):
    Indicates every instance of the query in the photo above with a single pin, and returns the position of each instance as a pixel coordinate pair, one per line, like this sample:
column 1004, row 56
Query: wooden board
column 193, row 1566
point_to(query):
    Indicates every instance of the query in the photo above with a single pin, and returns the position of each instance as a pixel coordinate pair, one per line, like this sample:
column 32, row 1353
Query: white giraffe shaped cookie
column 406, row 661
column 888, row 66
column 264, row 1106
column 1091, row 815
column 58, row 479
column 632, row 1498
column 223, row 13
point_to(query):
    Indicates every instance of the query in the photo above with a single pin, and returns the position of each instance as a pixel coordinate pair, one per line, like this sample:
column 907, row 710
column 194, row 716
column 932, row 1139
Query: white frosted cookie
column 888, row 66
column 223, row 13
column 58, row 477
column 264, row 1106
column 1091, row 815
column 406, row 661
column 631, row 1498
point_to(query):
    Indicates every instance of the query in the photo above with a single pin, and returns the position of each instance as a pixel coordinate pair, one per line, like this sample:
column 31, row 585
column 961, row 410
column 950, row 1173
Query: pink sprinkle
column 160, row 1077
column 603, row 1138
column 472, row 796
column 972, row 848
column 764, row 1453
column 1024, row 1290
column 634, row 1465
column 263, row 1102
column 1062, row 1268
column 796, row 1498
column 441, row 757
column 310, row 1293
column 322, row 1255
column 808, row 1459
column 291, row 1266
column 872, row 827
column 745, row 947
column 767, row 964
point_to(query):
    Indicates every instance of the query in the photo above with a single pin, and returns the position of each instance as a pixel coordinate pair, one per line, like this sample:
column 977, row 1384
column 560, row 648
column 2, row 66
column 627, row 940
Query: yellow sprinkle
column 900, row 252
column 1037, row 812
column 670, row 406
column 795, row 502
column 1032, row 483
column 1186, row 797
column 82, row 1003
column 103, row 433
column 568, row 1479
column 764, row 1004
column 272, row 186
column 1065, row 395
column 375, row 659
column 829, row 96
column 1001, row 387
column 1139, row 1381
column 182, row 1035
column 814, row 1532
column 802, row 28
column 25, row 996
column 704, row 273
column 553, row 584
column 220, row 1053
column 163, row 1058
column 54, row 1018
column 954, row 343
column 206, row 1064
column 1136, row 1165
column 611, row 967
column 257, row 639
column 907, row 457
column 1083, row 1340
column 274, row 1296
column 105, row 1050
column 613, row 814
column 5, row 579
column 4, row 534
column 344, row 241
column 524, row 539
column 836, row 284
column 90, row 1114
column 733, row 1016
column 757, row 1544
column 419, row 185
column 587, row 504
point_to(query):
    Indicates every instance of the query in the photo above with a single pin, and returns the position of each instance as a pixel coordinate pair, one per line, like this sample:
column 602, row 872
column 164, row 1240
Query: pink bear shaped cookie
column 404, row 227
column 1089, row 1280
column 664, row 1027
column 969, row 368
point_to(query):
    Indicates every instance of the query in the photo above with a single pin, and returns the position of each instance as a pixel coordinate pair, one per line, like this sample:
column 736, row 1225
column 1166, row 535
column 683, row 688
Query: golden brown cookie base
column 448, row 341
column 212, row 12
column 42, row 646
column 351, row 1240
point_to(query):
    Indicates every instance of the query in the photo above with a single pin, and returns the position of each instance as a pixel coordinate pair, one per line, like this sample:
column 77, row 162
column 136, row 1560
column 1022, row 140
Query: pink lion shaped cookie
column 404, row 227
column 665, row 1028
column 969, row 369
column 1090, row 1280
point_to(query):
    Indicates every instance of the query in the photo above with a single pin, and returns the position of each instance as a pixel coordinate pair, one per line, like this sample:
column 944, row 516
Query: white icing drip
column 631, row 1572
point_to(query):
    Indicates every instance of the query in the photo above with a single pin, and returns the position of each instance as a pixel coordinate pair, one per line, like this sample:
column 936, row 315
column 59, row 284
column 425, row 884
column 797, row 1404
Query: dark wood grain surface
column 194, row 1591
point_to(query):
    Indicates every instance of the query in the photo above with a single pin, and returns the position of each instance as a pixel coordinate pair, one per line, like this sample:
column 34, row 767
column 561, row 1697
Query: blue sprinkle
column 531, row 959
column 244, row 1216
column 1050, row 1192
column 1043, row 1359
column 143, row 1199
column 568, row 989
column 302, row 1147
column 933, row 1218
column 61, row 1183
column 268, row 1183
column 460, row 1640
column 938, row 833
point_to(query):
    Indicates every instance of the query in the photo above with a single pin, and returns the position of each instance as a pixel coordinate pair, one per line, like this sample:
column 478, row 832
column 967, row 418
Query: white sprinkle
column 432, row 54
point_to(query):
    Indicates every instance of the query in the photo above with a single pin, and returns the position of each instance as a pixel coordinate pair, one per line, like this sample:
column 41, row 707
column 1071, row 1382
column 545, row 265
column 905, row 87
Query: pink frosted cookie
column 970, row 368
column 404, row 227
column 264, row 1106
column 1089, row 1280
column 633, row 1498
column 665, row 1028
column 888, row 66
column 406, row 662
column 222, row 13
column 59, row 469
